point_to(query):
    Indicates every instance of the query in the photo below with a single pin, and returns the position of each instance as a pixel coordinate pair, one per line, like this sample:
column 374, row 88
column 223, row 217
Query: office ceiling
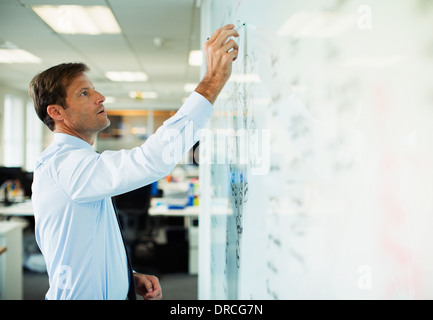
column 175, row 22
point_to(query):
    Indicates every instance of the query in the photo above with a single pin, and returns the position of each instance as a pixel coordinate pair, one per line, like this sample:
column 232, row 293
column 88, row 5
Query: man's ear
column 54, row 111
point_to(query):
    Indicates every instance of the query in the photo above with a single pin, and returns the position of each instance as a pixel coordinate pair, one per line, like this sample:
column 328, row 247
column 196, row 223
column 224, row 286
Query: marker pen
column 236, row 29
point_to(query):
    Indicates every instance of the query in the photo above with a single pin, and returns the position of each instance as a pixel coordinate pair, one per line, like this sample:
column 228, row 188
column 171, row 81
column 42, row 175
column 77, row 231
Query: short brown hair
column 49, row 87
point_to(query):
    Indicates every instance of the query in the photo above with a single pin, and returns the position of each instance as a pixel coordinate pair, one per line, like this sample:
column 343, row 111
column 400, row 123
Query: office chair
column 132, row 208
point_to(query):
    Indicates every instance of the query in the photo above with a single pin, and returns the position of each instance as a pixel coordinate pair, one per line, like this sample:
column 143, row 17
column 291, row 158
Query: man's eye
column 84, row 93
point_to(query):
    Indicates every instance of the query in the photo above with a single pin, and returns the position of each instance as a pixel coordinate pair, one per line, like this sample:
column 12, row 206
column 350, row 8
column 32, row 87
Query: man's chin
column 108, row 123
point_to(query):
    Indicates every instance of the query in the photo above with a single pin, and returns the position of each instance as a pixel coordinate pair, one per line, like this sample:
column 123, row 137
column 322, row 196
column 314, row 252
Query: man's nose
column 100, row 99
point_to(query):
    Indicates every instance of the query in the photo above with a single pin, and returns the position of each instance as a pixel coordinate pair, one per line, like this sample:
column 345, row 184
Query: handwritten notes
column 320, row 182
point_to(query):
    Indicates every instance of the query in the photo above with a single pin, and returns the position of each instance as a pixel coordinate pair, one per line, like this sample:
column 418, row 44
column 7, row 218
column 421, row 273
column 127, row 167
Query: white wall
column 24, row 97
column 4, row 90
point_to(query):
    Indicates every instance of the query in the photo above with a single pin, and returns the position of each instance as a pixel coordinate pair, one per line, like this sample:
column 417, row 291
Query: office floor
column 175, row 286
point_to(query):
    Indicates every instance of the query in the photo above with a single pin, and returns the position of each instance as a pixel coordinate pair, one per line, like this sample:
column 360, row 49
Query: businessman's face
column 85, row 112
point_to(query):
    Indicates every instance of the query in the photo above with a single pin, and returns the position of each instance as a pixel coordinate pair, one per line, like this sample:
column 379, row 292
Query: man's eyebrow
column 84, row 88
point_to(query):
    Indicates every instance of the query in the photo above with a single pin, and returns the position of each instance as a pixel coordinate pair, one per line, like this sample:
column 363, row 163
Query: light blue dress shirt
column 75, row 223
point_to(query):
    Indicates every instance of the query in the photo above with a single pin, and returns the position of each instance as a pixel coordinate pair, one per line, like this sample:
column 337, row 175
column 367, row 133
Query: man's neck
column 90, row 139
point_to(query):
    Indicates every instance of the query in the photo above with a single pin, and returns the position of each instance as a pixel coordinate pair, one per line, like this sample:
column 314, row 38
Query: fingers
column 224, row 36
column 147, row 286
column 219, row 42
column 220, row 37
column 220, row 54
column 153, row 288
column 233, row 55
column 215, row 35
column 231, row 45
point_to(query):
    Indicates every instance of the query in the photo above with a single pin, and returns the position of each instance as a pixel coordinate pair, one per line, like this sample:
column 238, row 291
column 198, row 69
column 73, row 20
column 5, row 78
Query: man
column 75, row 222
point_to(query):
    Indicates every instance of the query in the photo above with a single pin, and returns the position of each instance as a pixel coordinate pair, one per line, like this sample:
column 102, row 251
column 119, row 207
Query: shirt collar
column 71, row 140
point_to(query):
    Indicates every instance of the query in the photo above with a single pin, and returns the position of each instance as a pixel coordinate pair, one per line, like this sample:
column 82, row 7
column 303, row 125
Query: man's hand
column 220, row 55
column 147, row 286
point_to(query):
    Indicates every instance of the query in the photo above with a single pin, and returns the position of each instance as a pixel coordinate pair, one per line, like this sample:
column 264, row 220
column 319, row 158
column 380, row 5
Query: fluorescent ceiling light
column 317, row 24
column 139, row 95
column 190, row 87
column 195, row 58
column 17, row 56
column 245, row 78
column 126, row 76
column 73, row 19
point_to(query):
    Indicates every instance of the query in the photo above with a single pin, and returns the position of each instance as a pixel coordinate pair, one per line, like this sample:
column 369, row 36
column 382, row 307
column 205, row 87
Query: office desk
column 163, row 210
column 11, row 271
column 23, row 209
column 190, row 214
column 159, row 207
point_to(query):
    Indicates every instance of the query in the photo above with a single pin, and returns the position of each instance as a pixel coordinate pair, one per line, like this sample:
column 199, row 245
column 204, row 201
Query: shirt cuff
column 197, row 108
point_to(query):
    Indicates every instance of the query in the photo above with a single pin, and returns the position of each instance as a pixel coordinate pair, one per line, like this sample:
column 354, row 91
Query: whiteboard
column 316, row 167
